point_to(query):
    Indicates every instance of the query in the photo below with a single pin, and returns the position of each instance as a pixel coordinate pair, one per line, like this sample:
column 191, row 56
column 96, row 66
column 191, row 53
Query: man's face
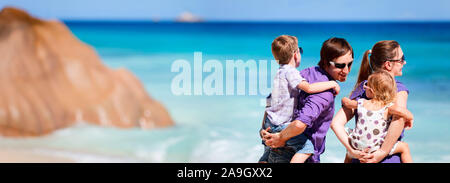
column 340, row 67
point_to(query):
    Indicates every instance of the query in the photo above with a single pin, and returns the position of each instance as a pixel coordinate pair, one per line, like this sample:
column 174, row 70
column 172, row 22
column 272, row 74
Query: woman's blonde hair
column 383, row 85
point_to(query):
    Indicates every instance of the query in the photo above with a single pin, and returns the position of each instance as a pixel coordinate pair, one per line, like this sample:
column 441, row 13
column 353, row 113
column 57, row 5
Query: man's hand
column 273, row 140
column 263, row 132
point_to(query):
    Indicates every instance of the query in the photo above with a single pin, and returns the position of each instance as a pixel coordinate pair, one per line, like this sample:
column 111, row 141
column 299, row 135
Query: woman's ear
column 388, row 65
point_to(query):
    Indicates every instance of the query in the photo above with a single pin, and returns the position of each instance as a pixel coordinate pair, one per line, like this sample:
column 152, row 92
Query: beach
column 224, row 128
column 25, row 156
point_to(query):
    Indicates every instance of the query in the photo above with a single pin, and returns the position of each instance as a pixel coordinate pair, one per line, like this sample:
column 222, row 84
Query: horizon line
column 251, row 21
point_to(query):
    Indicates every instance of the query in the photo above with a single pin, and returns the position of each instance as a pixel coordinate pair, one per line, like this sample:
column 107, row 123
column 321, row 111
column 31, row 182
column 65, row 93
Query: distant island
column 188, row 17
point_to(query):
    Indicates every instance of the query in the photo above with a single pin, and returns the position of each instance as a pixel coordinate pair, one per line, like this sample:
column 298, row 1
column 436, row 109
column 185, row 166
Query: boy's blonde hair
column 283, row 47
column 383, row 85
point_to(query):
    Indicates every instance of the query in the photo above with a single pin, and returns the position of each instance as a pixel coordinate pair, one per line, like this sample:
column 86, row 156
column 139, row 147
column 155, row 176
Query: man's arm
column 275, row 140
column 314, row 106
column 295, row 128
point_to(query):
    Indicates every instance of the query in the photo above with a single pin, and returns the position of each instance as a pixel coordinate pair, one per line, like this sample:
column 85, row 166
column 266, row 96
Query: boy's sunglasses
column 341, row 66
column 402, row 60
column 301, row 50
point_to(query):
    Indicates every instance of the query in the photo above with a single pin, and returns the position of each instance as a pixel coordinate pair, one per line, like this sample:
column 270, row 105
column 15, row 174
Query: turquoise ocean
column 224, row 128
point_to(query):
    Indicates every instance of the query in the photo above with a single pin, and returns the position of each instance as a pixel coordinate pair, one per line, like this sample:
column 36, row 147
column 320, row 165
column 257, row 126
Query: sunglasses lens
column 340, row 66
column 301, row 50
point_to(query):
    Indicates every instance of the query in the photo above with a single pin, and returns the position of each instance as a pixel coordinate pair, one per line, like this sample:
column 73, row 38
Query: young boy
column 285, row 90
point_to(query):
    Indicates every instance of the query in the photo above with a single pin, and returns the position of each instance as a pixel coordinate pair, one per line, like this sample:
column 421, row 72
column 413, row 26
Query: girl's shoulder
column 370, row 106
column 361, row 103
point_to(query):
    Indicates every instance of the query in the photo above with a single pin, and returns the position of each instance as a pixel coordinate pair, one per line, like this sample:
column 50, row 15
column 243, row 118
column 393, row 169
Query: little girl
column 375, row 115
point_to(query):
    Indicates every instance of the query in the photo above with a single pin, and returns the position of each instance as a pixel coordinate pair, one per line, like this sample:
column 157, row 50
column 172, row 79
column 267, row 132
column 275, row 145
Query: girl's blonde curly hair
column 383, row 85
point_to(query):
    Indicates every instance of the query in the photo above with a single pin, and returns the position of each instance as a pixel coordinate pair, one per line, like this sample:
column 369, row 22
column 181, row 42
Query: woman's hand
column 357, row 154
column 374, row 157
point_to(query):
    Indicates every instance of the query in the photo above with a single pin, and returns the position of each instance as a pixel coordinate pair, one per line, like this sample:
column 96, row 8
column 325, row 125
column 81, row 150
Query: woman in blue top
column 386, row 55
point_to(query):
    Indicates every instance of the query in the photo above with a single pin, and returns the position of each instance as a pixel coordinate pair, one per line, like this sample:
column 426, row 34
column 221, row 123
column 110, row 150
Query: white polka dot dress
column 371, row 128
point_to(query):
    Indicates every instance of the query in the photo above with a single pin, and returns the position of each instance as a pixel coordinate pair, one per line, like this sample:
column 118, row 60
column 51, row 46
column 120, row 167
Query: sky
column 238, row 10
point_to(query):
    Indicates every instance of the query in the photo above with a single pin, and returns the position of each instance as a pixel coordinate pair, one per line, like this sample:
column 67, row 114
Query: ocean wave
column 196, row 143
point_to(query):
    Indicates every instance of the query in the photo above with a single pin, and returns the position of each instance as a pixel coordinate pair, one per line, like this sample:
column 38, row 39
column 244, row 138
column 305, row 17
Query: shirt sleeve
column 401, row 87
column 315, row 104
column 294, row 78
column 358, row 92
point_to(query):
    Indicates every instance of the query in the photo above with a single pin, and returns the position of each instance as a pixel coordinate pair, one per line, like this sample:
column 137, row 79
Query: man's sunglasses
column 341, row 66
column 402, row 60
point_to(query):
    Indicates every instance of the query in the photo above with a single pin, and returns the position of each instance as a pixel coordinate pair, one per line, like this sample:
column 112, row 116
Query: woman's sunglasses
column 301, row 50
column 402, row 60
column 341, row 66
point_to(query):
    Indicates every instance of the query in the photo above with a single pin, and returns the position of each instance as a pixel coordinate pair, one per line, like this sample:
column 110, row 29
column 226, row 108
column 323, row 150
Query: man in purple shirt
column 314, row 112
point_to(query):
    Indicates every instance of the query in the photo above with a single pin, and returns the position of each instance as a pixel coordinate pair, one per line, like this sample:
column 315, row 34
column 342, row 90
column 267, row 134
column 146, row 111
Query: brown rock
column 49, row 80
